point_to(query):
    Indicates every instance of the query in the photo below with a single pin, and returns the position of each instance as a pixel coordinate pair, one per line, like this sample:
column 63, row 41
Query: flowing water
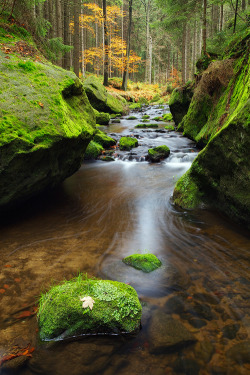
column 107, row 211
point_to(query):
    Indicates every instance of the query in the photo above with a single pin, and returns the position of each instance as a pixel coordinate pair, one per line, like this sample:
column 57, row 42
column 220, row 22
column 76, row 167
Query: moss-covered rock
column 46, row 123
column 127, row 143
column 103, row 139
column 169, row 127
column 114, row 308
column 132, row 118
column 102, row 118
column 93, row 150
column 107, row 158
column 145, row 126
column 99, row 97
column 145, row 117
column 157, row 153
column 220, row 175
column 144, row 262
column 168, row 117
column 209, row 104
column 179, row 102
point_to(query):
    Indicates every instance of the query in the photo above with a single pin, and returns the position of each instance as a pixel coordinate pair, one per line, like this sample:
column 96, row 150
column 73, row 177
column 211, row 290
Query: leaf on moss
column 87, row 302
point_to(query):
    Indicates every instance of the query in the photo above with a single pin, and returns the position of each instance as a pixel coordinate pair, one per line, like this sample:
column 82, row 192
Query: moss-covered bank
column 220, row 175
column 46, row 123
column 114, row 308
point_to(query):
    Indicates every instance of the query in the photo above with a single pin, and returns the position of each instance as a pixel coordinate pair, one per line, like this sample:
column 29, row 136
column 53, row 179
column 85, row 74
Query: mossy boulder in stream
column 179, row 102
column 157, row 153
column 78, row 307
column 100, row 99
column 144, row 262
column 104, row 140
column 102, row 118
column 46, row 123
column 127, row 143
column 93, row 150
column 220, row 175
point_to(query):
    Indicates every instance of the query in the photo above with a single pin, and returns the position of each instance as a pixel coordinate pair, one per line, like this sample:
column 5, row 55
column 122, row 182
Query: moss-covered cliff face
column 46, row 123
column 220, row 175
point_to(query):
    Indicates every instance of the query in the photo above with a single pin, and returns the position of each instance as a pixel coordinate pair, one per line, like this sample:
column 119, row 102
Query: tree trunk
column 125, row 73
column 204, row 29
column 183, row 57
column 106, row 44
column 235, row 15
column 221, row 17
column 66, row 34
column 76, row 39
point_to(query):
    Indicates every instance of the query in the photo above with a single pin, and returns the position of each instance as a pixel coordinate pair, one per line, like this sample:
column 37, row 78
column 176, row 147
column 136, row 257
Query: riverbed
column 104, row 212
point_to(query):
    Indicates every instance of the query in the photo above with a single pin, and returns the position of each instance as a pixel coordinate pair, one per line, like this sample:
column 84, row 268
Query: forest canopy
column 156, row 41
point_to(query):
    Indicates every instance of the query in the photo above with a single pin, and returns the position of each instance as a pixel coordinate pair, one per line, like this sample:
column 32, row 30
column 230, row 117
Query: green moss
column 144, row 262
column 145, row 117
column 145, row 126
column 157, row 153
column 132, row 118
column 158, row 118
column 167, row 117
column 39, row 127
column 179, row 102
column 135, row 106
column 127, row 143
column 220, row 175
column 28, row 66
column 116, row 309
column 169, row 127
column 103, row 139
column 107, row 158
column 102, row 118
column 186, row 193
column 100, row 99
column 93, row 150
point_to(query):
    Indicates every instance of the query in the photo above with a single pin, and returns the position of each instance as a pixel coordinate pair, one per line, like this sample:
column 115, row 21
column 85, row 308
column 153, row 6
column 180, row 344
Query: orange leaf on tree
column 17, row 279
column 2, row 291
column 6, row 286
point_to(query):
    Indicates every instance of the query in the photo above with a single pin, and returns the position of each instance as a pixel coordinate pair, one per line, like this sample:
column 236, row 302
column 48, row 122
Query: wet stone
column 204, row 351
column 240, row 353
column 197, row 323
column 230, row 331
column 175, row 305
column 205, row 297
column 167, row 334
column 186, row 366
column 201, row 311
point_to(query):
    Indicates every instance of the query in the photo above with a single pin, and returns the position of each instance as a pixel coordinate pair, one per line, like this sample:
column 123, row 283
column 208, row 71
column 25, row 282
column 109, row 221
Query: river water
column 199, row 298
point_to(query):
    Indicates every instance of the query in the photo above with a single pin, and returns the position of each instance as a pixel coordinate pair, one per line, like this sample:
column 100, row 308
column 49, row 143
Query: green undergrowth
column 144, row 262
column 116, row 309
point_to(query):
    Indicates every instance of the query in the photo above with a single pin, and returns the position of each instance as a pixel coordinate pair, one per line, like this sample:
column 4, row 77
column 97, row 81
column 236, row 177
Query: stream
column 104, row 212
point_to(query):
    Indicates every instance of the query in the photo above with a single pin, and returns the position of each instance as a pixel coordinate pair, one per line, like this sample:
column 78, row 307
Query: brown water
column 99, row 215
